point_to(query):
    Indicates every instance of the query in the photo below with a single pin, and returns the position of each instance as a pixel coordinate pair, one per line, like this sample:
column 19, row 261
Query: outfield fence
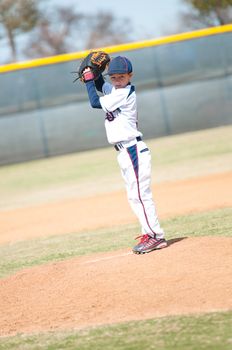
column 183, row 83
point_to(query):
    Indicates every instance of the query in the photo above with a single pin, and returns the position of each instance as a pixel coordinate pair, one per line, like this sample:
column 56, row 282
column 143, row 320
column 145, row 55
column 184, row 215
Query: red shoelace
column 143, row 238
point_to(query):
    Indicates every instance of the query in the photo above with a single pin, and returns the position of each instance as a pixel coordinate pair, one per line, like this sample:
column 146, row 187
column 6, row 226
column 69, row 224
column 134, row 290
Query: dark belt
column 119, row 145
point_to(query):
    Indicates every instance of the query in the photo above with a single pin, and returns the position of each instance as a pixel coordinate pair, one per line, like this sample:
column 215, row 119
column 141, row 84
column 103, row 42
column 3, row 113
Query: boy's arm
column 93, row 96
column 88, row 78
column 99, row 82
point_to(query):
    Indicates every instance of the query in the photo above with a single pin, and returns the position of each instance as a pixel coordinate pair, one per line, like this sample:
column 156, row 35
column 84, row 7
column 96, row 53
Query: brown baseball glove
column 96, row 62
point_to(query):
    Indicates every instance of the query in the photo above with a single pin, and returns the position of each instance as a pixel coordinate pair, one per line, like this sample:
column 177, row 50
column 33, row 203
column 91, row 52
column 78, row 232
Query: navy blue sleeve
column 93, row 96
column 99, row 83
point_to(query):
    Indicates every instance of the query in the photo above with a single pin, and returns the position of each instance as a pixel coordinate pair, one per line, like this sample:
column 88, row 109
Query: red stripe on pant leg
column 137, row 180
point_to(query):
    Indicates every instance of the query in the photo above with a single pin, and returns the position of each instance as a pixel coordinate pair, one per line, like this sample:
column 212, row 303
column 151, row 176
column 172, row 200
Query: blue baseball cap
column 119, row 65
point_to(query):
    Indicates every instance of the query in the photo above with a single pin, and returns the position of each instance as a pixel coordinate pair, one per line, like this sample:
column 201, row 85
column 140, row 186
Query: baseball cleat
column 148, row 243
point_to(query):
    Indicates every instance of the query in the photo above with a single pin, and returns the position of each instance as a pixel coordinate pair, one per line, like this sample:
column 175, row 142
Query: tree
column 54, row 30
column 107, row 30
column 201, row 13
column 52, row 34
column 67, row 31
column 17, row 16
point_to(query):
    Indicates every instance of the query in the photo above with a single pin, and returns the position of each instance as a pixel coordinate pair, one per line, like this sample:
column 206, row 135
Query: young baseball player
column 121, row 124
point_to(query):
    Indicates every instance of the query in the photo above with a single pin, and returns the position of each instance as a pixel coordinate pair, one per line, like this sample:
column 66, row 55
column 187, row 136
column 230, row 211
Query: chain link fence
column 181, row 86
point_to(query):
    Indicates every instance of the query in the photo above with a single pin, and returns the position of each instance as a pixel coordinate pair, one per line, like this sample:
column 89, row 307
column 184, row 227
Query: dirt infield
column 112, row 209
column 191, row 275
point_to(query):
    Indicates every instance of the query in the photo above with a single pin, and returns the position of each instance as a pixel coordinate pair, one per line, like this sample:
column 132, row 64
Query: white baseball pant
column 135, row 165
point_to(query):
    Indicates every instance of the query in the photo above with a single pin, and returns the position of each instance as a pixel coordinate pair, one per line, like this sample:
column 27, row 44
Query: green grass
column 101, row 163
column 203, row 144
column 55, row 248
column 193, row 332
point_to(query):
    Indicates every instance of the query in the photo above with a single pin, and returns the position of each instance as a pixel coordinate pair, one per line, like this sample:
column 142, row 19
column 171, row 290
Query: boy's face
column 120, row 80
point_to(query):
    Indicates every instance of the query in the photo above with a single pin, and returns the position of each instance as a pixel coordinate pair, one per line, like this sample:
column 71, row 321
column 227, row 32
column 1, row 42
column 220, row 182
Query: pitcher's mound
column 192, row 275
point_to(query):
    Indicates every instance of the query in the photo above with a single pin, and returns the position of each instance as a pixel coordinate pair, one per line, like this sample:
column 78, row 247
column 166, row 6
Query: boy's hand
column 87, row 75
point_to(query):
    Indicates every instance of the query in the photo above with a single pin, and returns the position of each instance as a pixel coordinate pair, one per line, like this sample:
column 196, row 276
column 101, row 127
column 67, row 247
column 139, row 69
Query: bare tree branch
column 51, row 37
column 201, row 13
column 58, row 30
column 17, row 16
column 108, row 30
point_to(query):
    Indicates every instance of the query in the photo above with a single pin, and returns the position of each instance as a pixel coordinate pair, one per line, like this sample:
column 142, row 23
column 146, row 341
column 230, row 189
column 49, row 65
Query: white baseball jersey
column 121, row 121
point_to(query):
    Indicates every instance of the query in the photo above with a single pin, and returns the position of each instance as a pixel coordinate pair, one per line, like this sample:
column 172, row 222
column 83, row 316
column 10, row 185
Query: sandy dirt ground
column 112, row 209
column 191, row 275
